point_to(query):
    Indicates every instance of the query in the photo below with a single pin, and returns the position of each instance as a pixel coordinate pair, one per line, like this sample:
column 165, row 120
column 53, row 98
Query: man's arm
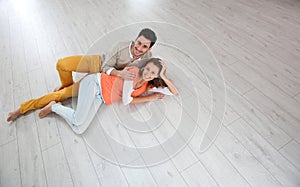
column 111, row 60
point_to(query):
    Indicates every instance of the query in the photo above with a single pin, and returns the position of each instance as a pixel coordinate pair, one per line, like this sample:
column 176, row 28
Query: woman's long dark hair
column 156, row 82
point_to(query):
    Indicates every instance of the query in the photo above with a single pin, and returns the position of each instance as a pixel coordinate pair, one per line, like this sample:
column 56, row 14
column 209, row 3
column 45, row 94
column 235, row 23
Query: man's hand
column 126, row 74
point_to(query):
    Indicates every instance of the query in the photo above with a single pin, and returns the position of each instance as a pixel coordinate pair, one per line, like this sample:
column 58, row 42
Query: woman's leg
column 87, row 105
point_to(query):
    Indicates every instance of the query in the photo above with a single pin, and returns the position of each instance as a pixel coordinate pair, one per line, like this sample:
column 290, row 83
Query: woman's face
column 150, row 72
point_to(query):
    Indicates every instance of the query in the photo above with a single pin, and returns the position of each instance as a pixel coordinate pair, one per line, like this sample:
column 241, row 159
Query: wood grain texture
column 257, row 48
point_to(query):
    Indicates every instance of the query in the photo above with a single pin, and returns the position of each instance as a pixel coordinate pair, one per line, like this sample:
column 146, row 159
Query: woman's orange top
column 112, row 87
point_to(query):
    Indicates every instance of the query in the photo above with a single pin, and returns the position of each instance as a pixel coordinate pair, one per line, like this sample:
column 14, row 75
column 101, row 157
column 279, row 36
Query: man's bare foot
column 47, row 109
column 58, row 88
column 13, row 115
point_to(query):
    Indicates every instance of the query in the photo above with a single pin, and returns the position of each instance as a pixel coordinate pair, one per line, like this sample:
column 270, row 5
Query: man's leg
column 83, row 64
column 57, row 96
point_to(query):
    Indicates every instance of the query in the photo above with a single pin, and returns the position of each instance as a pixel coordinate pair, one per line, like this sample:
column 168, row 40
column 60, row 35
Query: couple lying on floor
column 97, row 88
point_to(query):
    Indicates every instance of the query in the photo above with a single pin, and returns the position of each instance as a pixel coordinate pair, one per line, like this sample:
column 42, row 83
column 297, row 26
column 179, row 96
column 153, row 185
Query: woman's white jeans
column 89, row 101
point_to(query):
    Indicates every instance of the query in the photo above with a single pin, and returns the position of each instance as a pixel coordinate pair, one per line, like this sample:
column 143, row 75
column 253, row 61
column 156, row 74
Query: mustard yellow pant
column 65, row 67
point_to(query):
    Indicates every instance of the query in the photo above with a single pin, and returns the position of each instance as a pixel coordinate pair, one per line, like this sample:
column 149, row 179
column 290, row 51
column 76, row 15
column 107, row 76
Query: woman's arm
column 147, row 98
column 169, row 83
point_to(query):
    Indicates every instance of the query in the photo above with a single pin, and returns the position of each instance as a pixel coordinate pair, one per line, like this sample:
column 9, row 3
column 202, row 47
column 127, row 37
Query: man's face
column 140, row 46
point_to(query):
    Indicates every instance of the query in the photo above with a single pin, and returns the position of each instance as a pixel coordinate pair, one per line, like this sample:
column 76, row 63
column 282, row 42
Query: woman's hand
column 168, row 82
column 156, row 96
column 147, row 98
column 163, row 69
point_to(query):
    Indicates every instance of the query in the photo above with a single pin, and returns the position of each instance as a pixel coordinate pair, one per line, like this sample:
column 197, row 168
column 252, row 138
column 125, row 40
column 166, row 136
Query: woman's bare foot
column 47, row 109
column 13, row 115
column 58, row 88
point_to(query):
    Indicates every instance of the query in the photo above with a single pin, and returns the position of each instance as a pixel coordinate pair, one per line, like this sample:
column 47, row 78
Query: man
column 122, row 55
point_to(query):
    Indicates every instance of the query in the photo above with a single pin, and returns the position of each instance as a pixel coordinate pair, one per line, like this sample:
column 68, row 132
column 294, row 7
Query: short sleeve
column 127, row 90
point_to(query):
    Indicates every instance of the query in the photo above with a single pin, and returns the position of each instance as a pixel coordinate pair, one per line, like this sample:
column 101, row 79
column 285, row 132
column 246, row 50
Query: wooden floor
column 257, row 47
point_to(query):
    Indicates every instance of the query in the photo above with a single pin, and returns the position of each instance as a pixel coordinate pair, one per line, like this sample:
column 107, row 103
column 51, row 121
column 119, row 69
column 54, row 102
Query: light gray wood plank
column 177, row 122
column 141, row 139
column 69, row 32
column 179, row 60
column 209, row 98
column 275, row 37
column 273, row 92
column 257, row 120
column 109, row 173
column 166, row 174
column 156, row 168
column 184, row 159
column 48, row 132
column 230, row 115
column 222, row 56
column 235, row 81
column 30, row 47
column 110, row 140
column 260, row 56
column 81, row 167
column 250, row 168
column 9, row 165
column 46, row 54
column 56, row 167
column 139, row 177
column 291, row 151
column 260, row 60
column 83, row 23
column 7, row 133
column 196, row 175
column 112, row 120
column 47, row 23
column 31, row 163
column 168, row 132
column 213, row 159
column 297, row 97
column 270, row 73
column 257, row 27
column 279, row 166
column 280, row 117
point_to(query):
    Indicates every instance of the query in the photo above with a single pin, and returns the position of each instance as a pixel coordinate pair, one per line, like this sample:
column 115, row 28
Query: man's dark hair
column 149, row 34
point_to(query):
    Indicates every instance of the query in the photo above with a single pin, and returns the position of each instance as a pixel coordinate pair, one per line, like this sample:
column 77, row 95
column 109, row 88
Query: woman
column 96, row 89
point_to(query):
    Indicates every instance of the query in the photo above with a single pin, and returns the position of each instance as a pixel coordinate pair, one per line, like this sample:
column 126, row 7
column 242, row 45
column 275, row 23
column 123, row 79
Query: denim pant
column 89, row 101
